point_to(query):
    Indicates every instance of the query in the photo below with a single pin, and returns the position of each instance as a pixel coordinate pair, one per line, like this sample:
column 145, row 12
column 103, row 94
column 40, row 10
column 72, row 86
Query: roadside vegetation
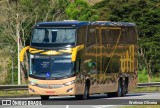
column 145, row 90
column 8, row 93
column 143, row 77
column 18, row 16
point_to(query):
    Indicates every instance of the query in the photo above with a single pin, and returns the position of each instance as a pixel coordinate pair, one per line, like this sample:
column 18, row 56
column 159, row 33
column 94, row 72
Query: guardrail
column 151, row 84
column 13, row 87
column 25, row 87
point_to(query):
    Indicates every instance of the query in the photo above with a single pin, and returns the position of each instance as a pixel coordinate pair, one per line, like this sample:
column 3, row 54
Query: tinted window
column 132, row 35
column 106, row 36
column 91, row 37
column 124, row 37
column 82, row 35
column 54, row 35
column 114, row 35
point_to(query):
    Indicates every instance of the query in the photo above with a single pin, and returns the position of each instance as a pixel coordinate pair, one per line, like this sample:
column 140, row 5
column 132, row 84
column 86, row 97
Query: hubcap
column 86, row 93
column 119, row 90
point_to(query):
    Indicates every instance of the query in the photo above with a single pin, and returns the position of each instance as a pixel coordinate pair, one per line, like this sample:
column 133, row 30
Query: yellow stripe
column 75, row 50
column 23, row 52
column 66, row 51
column 33, row 50
column 52, row 52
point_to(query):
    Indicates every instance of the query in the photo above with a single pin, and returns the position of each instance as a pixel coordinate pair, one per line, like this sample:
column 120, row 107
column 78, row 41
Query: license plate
column 49, row 92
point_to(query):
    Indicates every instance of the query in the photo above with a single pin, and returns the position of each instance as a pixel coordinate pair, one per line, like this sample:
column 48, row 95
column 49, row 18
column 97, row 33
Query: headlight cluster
column 32, row 83
column 69, row 83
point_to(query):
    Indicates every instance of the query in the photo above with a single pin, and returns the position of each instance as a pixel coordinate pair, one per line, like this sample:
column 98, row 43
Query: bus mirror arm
column 23, row 52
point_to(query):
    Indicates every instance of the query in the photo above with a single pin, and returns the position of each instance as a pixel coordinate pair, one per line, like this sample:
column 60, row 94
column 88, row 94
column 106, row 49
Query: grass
column 145, row 89
column 143, row 78
column 14, row 93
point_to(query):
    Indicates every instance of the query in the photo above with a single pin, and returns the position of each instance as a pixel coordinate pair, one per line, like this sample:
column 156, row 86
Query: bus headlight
column 69, row 83
column 32, row 83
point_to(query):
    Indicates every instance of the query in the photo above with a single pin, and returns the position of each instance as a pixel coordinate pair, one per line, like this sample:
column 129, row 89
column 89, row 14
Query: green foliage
column 142, row 76
column 29, row 13
column 146, row 15
column 80, row 10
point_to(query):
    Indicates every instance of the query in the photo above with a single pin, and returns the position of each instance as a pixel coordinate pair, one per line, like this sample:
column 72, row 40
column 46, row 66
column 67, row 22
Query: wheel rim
column 119, row 90
column 86, row 93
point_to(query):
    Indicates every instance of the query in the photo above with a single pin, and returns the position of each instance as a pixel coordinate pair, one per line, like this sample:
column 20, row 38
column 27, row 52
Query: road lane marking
column 103, row 106
column 67, row 106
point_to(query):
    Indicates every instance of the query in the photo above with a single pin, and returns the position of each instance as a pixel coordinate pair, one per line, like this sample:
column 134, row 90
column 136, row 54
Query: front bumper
column 65, row 90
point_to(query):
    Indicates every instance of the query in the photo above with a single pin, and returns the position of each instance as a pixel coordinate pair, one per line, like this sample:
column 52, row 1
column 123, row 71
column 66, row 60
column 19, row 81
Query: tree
column 146, row 15
column 18, row 17
column 80, row 10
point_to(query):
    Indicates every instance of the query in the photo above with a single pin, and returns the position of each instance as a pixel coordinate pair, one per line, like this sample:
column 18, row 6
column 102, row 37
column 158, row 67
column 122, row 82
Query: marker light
column 69, row 83
column 32, row 83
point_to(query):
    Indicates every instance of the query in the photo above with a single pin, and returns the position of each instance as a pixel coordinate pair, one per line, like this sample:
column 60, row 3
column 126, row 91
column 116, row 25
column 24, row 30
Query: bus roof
column 81, row 23
column 108, row 23
column 62, row 23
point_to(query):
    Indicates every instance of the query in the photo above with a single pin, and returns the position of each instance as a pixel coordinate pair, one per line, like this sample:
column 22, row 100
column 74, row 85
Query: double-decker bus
column 82, row 58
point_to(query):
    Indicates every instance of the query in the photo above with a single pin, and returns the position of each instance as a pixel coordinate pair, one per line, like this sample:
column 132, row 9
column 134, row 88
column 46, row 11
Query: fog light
column 69, row 90
column 31, row 90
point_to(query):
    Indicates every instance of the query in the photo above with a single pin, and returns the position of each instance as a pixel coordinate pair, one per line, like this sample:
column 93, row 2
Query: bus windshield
column 53, row 35
column 51, row 68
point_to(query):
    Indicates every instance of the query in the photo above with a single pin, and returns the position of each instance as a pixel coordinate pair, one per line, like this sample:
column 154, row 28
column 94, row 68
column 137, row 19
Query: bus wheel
column 124, row 89
column 85, row 95
column 86, row 92
column 119, row 91
column 44, row 97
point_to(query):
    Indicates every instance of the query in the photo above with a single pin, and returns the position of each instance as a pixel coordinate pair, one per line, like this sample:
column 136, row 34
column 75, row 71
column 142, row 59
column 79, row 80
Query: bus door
column 99, row 60
column 90, row 58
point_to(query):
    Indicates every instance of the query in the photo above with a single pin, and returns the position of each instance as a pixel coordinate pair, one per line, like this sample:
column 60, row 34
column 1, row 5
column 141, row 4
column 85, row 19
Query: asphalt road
column 95, row 101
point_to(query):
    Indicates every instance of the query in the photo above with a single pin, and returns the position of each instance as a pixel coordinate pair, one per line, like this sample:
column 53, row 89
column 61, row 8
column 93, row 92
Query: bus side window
column 81, row 35
column 131, row 35
column 113, row 66
column 123, row 36
column 114, row 36
column 105, row 36
column 91, row 37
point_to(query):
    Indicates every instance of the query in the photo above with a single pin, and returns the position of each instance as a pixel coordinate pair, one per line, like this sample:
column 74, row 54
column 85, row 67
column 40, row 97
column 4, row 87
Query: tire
column 124, row 90
column 44, row 97
column 119, row 91
column 85, row 95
